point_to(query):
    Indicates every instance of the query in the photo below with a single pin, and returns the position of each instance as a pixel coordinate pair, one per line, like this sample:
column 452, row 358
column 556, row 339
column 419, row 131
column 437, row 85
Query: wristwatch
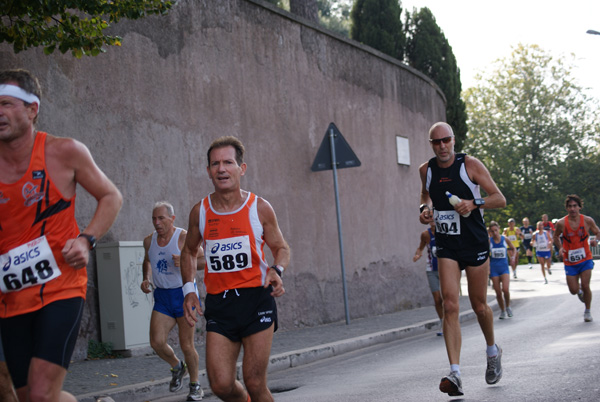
column 91, row 239
column 278, row 269
column 479, row 202
column 422, row 207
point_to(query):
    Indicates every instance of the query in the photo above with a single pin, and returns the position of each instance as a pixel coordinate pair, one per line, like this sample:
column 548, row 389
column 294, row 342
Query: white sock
column 492, row 350
column 455, row 367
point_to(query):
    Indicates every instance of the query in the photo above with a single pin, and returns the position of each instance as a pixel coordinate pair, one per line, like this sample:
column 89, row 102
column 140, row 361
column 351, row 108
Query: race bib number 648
column 28, row 265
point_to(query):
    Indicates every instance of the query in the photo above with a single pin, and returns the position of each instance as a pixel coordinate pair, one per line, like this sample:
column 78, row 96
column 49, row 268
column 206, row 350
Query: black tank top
column 452, row 230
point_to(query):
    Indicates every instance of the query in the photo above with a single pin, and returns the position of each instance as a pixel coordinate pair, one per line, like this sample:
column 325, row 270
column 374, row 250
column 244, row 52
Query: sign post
column 332, row 147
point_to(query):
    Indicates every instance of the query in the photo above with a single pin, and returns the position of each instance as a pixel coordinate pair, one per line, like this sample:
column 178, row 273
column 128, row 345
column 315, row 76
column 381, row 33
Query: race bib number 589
column 28, row 265
column 228, row 255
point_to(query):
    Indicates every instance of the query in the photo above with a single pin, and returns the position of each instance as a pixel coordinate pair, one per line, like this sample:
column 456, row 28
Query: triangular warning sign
column 344, row 155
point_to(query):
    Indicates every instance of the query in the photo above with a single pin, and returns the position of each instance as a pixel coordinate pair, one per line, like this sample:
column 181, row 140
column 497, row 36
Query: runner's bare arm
column 557, row 232
column 481, row 175
column 146, row 266
column 70, row 163
column 422, row 244
column 593, row 229
column 277, row 244
column 426, row 216
column 189, row 257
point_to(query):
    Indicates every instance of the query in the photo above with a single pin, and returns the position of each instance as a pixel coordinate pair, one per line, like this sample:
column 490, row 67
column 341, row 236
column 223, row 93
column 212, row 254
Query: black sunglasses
column 438, row 141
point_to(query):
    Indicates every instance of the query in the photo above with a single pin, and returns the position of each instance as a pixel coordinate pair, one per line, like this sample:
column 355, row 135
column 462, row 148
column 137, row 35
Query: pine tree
column 428, row 51
column 377, row 23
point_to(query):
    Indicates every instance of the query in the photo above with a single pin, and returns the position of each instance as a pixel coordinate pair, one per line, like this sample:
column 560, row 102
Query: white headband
column 17, row 92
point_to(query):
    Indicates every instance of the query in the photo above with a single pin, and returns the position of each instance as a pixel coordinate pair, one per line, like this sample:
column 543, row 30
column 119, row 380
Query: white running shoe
column 493, row 373
column 176, row 384
column 503, row 315
column 451, row 384
column 196, row 392
column 509, row 312
column 587, row 317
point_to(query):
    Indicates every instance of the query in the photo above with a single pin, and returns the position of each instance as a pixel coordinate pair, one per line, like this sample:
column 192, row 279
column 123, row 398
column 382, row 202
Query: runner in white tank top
column 162, row 265
column 165, row 274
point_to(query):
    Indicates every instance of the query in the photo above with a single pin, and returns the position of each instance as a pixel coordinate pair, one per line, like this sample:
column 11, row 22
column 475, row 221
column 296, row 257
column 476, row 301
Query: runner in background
column 501, row 248
column 542, row 242
column 433, row 277
column 526, row 235
column 575, row 229
column 513, row 234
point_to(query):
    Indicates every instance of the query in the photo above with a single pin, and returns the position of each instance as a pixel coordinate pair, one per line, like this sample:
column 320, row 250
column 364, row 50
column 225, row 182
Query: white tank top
column 165, row 274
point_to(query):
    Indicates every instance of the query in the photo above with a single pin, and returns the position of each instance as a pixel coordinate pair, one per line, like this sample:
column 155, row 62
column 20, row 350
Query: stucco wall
column 149, row 109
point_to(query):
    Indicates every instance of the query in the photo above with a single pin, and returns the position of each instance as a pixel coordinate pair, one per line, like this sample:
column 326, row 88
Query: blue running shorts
column 543, row 254
column 499, row 269
column 573, row 270
column 169, row 302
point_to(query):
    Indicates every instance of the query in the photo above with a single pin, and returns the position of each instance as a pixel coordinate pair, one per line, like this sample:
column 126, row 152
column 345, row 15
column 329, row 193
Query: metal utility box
column 124, row 309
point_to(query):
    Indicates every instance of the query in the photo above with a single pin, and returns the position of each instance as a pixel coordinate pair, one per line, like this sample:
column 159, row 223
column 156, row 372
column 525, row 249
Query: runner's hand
column 146, row 286
column 191, row 308
column 274, row 280
column 76, row 252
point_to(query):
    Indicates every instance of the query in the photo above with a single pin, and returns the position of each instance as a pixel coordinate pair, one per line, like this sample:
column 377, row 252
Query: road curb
column 160, row 388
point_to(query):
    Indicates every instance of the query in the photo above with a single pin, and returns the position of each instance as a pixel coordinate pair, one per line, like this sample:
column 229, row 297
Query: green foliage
column 428, row 51
column 335, row 15
column 534, row 128
column 100, row 350
column 70, row 25
column 377, row 23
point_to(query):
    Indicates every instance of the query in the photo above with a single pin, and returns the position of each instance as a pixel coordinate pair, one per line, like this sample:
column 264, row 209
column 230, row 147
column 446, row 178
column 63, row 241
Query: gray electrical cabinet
column 124, row 309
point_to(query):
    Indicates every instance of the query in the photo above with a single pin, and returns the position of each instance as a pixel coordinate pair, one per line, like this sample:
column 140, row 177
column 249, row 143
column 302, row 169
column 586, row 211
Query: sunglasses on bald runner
column 438, row 141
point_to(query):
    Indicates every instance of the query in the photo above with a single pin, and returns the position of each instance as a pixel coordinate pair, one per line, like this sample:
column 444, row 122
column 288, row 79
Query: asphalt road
column 550, row 354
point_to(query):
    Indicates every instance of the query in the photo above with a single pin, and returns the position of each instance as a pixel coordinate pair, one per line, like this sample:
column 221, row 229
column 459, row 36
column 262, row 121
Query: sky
column 482, row 31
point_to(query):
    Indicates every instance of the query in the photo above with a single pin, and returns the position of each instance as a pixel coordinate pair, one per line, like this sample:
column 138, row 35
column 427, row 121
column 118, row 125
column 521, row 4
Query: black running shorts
column 49, row 334
column 238, row 313
column 467, row 257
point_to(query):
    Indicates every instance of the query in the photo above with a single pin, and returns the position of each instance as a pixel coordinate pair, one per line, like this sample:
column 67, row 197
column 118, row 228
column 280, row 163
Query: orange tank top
column 34, row 217
column 576, row 247
column 234, row 247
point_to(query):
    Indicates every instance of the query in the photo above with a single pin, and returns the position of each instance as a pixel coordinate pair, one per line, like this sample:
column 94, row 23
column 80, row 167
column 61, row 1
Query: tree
column 75, row 25
column 332, row 14
column 428, row 50
column 534, row 128
column 376, row 23
column 335, row 15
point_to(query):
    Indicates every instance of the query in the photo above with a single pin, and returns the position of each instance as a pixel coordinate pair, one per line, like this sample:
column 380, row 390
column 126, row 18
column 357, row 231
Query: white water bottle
column 453, row 199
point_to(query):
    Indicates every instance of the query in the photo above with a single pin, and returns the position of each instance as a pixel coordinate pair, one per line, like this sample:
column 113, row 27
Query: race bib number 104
column 228, row 255
column 447, row 222
column 28, row 265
